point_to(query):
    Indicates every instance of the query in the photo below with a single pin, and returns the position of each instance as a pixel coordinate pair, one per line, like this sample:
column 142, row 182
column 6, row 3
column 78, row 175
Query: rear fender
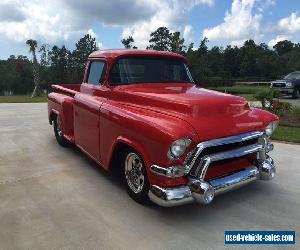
column 62, row 105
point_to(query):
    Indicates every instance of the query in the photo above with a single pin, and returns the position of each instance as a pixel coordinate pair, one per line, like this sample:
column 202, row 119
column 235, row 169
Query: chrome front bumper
column 284, row 90
column 202, row 191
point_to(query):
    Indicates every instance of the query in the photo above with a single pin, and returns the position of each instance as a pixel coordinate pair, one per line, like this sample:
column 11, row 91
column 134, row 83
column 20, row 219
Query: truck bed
column 68, row 89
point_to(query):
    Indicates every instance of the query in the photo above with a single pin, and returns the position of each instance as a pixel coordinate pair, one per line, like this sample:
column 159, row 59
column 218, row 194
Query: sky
column 223, row 22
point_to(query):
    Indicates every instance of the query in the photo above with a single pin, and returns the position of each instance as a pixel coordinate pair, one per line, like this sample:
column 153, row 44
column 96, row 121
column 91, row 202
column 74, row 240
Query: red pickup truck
column 173, row 142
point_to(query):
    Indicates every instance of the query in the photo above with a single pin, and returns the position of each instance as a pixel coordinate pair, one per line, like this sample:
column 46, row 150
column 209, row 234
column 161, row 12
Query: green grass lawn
column 247, row 92
column 241, row 89
column 248, row 97
column 22, row 99
column 288, row 134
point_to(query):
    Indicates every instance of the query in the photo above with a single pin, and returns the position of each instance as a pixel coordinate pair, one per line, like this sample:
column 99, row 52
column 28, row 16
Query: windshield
column 149, row 70
column 291, row 76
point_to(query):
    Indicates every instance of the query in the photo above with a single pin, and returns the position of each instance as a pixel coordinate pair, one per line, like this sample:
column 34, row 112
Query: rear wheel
column 58, row 131
column 135, row 176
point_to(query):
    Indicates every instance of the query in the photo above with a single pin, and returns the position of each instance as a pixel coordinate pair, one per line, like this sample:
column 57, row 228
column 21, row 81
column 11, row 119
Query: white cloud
column 116, row 12
column 170, row 13
column 244, row 21
column 240, row 24
column 187, row 33
column 266, row 4
column 290, row 24
column 10, row 13
column 277, row 39
column 65, row 21
column 287, row 28
column 47, row 21
column 92, row 33
column 60, row 21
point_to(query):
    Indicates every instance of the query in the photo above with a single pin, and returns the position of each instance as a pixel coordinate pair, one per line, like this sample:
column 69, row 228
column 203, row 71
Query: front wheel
column 58, row 131
column 295, row 94
column 135, row 177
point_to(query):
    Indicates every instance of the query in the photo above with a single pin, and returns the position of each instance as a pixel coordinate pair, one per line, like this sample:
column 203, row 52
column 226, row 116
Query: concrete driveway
column 53, row 197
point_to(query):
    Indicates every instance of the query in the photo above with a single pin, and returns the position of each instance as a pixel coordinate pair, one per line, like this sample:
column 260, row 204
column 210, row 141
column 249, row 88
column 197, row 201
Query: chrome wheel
column 134, row 172
column 59, row 127
column 58, row 132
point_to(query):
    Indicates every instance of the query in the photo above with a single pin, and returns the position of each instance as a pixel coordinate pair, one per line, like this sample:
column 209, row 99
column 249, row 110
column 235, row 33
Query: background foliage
column 216, row 65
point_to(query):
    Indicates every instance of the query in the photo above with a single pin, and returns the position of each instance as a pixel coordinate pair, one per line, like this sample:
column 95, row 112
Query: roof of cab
column 114, row 53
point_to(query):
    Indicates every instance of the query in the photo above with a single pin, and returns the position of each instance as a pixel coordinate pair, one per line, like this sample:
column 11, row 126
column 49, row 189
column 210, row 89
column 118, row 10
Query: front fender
column 149, row 132
column 131, row 142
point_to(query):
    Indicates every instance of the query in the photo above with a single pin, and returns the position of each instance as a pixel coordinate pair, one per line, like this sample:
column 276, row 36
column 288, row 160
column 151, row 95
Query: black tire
column 295, row 94
column 59, row 135
column 139, row 195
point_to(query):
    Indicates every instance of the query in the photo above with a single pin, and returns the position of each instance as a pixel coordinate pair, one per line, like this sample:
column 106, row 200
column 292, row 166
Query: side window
column 96, row 73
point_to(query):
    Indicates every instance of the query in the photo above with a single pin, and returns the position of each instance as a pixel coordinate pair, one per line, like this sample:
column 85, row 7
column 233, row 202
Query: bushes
column 280, row 108
column 241, row 89
column 289, row 115
column 296, row 112
column 266, row 97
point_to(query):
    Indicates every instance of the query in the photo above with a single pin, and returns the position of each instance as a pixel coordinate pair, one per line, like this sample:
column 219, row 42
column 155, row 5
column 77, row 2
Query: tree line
column 19, row 75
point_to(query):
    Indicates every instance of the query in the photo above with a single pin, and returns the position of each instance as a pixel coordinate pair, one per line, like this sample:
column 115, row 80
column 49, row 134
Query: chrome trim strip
column 169, row 197
column 236, row 152
column 269, row 147
column 223, row 141
column 170, row 172
column 267, row 169
column 235, row 180
column 207, row 160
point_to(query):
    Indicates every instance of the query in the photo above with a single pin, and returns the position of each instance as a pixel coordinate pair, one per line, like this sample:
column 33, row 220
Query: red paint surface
column 149, row 117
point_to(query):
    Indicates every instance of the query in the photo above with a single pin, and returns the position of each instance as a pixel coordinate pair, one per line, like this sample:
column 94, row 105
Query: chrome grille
column 212, row 151
column 279, row 84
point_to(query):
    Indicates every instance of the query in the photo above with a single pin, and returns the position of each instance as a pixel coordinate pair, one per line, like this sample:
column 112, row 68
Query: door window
column 96, row 72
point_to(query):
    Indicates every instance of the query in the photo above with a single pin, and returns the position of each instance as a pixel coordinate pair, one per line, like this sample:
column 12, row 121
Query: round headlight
column 271, row 127
column 289, row 84
column 178, row 148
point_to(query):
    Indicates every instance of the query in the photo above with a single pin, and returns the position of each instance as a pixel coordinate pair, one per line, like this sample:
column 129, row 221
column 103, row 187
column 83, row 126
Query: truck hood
column 283, row 80
column 211, row 113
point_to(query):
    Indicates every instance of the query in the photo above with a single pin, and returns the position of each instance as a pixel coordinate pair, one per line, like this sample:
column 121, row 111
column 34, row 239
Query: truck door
column 87, row 109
